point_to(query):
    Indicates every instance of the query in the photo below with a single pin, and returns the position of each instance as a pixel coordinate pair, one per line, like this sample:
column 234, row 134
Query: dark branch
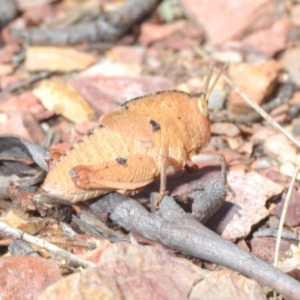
column 107, row 28
column 174, row 228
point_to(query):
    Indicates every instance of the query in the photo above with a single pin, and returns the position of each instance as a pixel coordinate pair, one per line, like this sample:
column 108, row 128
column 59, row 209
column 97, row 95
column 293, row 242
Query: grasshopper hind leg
column 125, row 173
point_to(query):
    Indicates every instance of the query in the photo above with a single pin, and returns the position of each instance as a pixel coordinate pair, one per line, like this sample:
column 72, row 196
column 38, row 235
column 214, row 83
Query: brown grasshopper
column 147, row 138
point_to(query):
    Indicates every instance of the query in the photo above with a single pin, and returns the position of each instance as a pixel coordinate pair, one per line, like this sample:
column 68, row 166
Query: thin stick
column 265, row 115
column 43, row 244
column 282, row 219
column 33, row 78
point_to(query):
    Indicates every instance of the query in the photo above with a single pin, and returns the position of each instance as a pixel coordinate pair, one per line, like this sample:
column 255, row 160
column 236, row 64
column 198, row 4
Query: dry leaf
column 31, row 225
column 57, row 59
column 60, row 97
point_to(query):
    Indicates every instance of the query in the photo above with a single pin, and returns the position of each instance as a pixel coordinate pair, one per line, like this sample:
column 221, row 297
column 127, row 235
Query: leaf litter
column 173, row 55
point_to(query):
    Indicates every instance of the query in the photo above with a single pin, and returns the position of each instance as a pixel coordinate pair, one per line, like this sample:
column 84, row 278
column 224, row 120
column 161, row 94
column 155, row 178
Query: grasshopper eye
column 202, row 105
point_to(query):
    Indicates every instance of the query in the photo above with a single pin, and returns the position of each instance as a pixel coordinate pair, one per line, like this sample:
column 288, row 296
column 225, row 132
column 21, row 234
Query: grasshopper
column 147, row 138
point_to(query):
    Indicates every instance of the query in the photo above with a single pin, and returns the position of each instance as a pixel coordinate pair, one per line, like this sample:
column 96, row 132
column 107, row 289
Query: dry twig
column 107, row 28
column 265, row 115
column 282, row 219
column 172, row 227
column 45, row 245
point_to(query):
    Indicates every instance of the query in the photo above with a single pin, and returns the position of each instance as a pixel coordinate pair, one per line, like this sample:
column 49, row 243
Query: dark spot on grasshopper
column 121, row 160
column 155, row 125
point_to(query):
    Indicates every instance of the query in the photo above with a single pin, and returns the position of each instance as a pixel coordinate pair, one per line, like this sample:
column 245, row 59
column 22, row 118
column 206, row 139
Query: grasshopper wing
column 130, row 124
column 125, row 173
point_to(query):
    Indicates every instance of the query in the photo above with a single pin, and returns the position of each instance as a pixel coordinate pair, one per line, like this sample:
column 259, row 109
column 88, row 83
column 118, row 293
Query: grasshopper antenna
column 208, row 90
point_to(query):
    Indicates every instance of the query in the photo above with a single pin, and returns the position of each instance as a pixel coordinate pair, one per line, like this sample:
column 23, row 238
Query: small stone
column 225, row 56
column 262, row 163
column 179, row 42
column 288, row 168
column 57, row 59
column 112, row 68
column 264, row 248
column 26, row 277
column 8, row 80
column 229, row 283
column 268, row 41
column 106, row 93
column 280, row 148
column 281, row 113
column 258, row 82
column 128, row 54
column 125, row 269
column 246, row 148
column 295, row 99
column 276, row 176
column 237, row 216
column 152, row 32
column 6, row 69
column 290, row 61
column 228, row 129
column 295, row 15
column 296, row 127
column 8, row 51
column 231, row 19
column 24, row 5
column 262, row 133
column 217, row 99
column 234, row 142
column 292, row 218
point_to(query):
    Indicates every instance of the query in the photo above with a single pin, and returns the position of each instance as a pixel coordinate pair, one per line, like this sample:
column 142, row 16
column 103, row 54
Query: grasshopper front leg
column 163, row 182
column 168, row 166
